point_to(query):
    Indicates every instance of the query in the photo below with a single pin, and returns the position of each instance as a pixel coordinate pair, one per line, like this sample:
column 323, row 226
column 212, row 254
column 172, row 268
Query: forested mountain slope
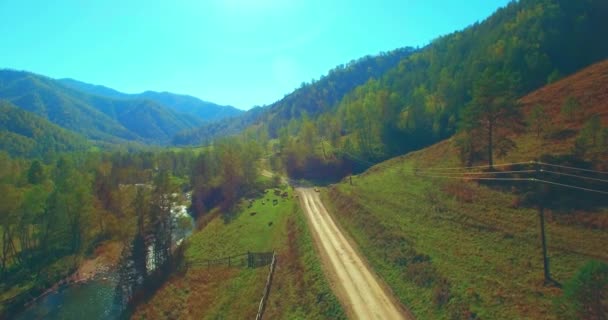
column 203, row 110
column 23, row 134
column 311, row 99
column 455, row 84
column 407, row 213
column 520, row 48
column 96, row 117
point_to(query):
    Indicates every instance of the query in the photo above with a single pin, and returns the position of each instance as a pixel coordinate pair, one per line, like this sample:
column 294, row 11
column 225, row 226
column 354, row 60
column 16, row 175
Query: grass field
column 455, row 249
column 299, row 288
column 447, row 255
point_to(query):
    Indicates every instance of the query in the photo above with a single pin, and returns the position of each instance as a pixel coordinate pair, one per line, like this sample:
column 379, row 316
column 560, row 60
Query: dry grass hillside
column 453, row 248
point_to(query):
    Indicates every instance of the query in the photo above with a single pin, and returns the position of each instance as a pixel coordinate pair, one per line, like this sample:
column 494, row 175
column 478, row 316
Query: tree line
column 53, row 214
column 465, row 83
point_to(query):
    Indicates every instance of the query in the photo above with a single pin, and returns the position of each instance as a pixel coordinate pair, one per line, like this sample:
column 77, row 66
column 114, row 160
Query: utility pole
column 541, row 214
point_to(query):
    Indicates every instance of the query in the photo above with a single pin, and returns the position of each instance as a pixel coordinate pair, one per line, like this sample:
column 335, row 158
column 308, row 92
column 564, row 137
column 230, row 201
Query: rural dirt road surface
column 355, row 285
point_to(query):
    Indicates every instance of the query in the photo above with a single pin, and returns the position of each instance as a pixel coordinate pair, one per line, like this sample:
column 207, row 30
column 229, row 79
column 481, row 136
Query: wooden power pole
column 542, row 191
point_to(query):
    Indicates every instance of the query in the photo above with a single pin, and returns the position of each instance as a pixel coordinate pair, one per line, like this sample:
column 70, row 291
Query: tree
column 591, row 139
column 160, row 217
column 10, row 201
column 69, row 208
column 570, row 108
column 586, row 295
column 35, row 174
column 538, row 120
column 32, row 211
column 493, row 108
column 231, row 170
column 139, row 249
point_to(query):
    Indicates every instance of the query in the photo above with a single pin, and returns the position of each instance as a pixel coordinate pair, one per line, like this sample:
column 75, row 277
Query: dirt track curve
column 358, row 289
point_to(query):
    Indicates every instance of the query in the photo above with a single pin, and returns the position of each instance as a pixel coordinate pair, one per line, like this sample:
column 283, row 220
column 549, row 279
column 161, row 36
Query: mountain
column 23, row 134
column 524, row 45
column 203, row 110
column 454, row 82
column 96, row 117
column 310, row 99
column 94, row 89
column 408, row 212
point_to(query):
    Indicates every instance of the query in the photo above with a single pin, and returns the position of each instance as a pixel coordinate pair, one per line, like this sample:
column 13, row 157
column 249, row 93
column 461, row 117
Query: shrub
column 422, row 274
column 441, row 293
column 586, row 294
column 460, row 191
column 569, row 108
column 460, row 310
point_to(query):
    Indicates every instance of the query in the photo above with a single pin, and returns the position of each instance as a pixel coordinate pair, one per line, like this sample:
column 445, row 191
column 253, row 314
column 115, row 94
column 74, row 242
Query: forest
column 451, row 86
column 80, row 169
column 55, row 213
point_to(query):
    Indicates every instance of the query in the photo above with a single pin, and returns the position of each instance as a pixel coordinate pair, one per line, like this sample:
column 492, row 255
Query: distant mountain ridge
column 103, row 114
column 23, row 134
column 204, row 110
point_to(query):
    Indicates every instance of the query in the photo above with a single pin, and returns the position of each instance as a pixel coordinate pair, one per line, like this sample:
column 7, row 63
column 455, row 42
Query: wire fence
column 245, row 260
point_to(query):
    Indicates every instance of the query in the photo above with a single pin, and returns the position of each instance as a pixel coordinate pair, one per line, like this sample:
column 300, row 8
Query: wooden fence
column 245, row 260
column 266, row 289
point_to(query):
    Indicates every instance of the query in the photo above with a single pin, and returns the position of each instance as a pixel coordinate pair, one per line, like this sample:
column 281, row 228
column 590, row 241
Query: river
column 94, row 299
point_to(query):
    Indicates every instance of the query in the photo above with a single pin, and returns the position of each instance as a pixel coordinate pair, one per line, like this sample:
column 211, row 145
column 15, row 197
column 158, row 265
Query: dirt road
column 358, row 289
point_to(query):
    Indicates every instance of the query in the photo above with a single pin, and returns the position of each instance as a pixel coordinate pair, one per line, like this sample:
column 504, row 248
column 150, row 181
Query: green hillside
column 203, row 110
column 453, row 245
column 449, row 86
column 97, row 118
column 23, row 134
column 204, row 292
column 521, row 47
column 311, row 99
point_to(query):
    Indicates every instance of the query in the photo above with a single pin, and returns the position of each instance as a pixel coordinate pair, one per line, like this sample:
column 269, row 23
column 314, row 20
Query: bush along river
column 95, row 298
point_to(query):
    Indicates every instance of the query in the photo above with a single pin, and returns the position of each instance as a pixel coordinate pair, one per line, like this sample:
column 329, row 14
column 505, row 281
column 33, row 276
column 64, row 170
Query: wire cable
column 572, row 187
column 516, row 179
column 573, row 175
column 361, row 161
column 475, row 178
column 481, row 173
column 485, row 166
column 571, row 168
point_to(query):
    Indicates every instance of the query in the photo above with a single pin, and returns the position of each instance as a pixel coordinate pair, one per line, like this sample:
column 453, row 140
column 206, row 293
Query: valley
column 463, row 177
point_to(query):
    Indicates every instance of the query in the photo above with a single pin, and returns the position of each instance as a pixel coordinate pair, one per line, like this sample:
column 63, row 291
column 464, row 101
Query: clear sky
column 237, row 52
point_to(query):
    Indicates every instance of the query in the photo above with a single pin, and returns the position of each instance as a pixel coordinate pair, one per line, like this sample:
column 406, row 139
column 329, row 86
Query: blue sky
column 238, row 52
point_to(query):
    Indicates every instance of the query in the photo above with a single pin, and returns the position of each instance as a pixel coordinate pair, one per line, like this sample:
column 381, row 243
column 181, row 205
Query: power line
column 485, row 166
column 517, row 179
column 360, row 161
column 571, row 168
column 482, row 173
column 514, row 164
column 572, row 187
column 573, row 175
column 475, row 178
column 367, row 163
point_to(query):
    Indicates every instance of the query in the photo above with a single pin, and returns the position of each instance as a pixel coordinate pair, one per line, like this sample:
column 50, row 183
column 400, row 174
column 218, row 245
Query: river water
column 94, row 299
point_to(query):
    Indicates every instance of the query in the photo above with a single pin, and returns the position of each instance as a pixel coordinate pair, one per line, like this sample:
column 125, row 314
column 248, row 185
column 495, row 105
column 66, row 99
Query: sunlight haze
column 235, row 52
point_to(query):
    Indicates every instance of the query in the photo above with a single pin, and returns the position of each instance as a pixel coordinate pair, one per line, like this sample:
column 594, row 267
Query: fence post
column 266, row 288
